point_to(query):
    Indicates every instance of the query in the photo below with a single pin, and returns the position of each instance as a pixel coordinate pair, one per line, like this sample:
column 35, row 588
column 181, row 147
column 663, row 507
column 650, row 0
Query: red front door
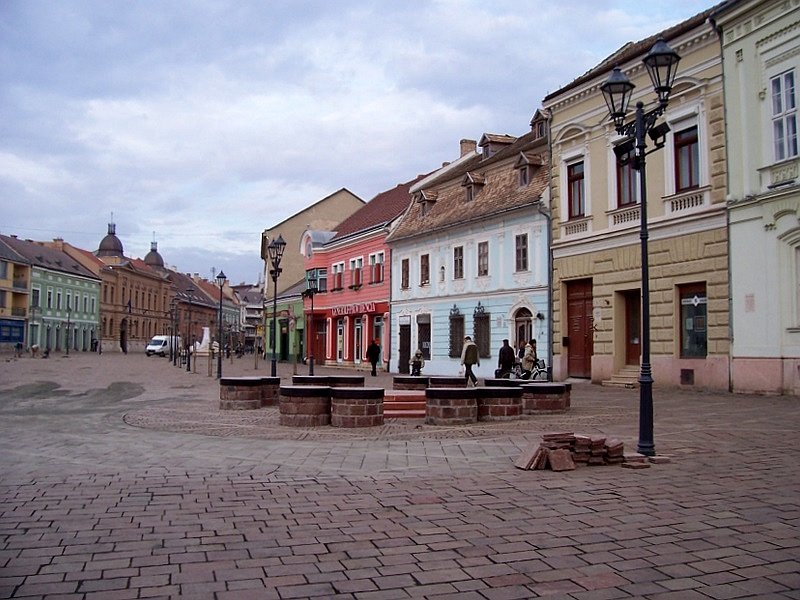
column 579, row 328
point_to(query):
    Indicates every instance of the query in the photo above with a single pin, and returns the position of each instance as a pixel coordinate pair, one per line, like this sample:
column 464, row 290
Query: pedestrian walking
column 470, row 358
column 529, row 359
column 374, row 355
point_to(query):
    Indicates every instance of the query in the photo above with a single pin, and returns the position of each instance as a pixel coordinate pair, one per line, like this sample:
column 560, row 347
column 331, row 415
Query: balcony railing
column 20, row 284
column 687, row 201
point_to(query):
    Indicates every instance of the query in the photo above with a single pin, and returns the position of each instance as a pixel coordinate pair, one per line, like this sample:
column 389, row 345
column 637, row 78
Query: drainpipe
column 546, row 214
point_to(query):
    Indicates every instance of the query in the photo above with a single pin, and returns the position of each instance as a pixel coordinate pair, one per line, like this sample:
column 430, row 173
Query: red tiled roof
column 382, row 209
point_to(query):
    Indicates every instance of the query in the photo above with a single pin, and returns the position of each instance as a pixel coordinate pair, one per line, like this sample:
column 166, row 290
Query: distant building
column 15, row 279
column 64, row 308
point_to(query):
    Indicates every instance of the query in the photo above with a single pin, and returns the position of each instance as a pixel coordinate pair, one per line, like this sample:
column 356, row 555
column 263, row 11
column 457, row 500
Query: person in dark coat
column 374, row 355
column 505, row 361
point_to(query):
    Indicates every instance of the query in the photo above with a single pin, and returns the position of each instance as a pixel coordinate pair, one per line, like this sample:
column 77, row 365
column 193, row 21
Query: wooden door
column 404, row 349
column 579, row 340
column 633, row 328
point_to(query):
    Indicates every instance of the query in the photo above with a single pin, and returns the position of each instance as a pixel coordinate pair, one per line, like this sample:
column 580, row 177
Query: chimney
column 468, row 146
column 58, row 244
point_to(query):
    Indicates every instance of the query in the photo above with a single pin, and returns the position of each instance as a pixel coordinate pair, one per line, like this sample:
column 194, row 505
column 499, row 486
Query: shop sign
column 353, row 309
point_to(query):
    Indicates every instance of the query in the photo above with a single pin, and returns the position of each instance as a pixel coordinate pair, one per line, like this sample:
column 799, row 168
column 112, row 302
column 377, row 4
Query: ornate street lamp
column 275, row 249
column 311, row 289
column 220, row 283
column 661, row 63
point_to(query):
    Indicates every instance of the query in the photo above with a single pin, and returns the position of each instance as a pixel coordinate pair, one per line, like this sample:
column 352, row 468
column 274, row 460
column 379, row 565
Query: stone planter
column 305, row 405
column 240, row 393
column 499, row 403
column 409, row 382
column 356, row 407
column 446, row 382
column 545, row 396
column 451, row 406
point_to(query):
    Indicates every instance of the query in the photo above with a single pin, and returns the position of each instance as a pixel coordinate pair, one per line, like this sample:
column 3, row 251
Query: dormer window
column 492, row 143
column 472, row 182
column 539, row 124
column 426, row 200
column 526, row 166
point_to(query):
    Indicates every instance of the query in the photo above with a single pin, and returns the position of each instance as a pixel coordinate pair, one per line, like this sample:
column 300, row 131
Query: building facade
column 323, row 215
column 596, row 229
column 64, row 298
column 349, row 269
column 761, row 54
column 15, row 278
column 470, row 255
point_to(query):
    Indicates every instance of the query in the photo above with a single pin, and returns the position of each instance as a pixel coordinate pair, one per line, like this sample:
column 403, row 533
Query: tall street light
column 661, row 63
column 220, row 283
column 275, row 249
column 189, row 294
column 311, row 289
column 67, row 331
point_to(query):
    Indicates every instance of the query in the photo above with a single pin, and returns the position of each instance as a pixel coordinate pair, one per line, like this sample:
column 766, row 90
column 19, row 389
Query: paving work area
column 120, row 478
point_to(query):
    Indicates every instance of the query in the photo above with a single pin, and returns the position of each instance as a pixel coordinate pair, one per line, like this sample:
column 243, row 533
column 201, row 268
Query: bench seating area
column 248, row 393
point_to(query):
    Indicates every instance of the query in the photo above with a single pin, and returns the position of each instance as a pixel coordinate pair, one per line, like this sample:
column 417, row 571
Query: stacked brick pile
column 562, row 451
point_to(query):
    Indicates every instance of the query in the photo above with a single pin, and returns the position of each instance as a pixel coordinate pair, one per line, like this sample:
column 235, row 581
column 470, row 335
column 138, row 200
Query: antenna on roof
column 213, row 273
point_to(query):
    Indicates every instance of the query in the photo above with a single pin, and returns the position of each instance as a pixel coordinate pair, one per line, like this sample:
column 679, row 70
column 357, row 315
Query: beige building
column 595, row 210
column 323, row 215
column 761, row 50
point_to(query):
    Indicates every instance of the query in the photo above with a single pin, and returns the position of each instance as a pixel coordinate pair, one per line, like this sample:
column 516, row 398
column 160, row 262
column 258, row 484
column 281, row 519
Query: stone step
column 404, row 404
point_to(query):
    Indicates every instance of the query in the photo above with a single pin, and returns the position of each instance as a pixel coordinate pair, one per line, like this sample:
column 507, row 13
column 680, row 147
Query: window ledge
column 688, row 201
column 785, row 172
column 625, row 216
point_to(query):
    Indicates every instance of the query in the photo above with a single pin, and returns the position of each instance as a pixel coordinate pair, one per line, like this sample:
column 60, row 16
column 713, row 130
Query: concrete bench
column 346, row 380
column 545, row 396
column 305, row 405
column 409, row 382
column 502, row 382
column 451, row 406
column 310, row 380
column 499, row 403
column 445, row 382
column 248, row 393
column 356, row 406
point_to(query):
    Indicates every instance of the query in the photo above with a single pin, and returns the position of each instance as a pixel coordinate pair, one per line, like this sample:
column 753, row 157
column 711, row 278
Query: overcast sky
column 203, row 122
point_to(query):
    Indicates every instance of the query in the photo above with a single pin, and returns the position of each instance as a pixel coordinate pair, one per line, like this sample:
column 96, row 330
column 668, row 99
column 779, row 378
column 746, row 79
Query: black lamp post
column 661, row 63
column 66, row 333
column 220, row 283
column 275, row 249
column 189, row 344
column 311, row 289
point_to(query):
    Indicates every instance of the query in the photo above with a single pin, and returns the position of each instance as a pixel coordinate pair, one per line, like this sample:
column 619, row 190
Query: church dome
column 153, row 258
column 110, row 245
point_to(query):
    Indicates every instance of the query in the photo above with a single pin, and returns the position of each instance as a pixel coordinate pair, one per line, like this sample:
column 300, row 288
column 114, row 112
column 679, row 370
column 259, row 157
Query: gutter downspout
column 546, row 214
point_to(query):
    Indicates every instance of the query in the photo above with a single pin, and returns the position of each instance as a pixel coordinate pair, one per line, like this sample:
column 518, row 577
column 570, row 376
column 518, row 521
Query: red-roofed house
column 352, row 304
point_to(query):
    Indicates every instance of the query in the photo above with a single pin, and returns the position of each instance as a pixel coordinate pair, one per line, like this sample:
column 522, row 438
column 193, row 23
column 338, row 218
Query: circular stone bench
column 545, row 396
column 409, row 382
column 446, row 382
column 346, row 380
column 451, row 406
column 305, row 405
column 502, row 382
column 499, row 403
column 310, row 380
column 240, row 393
column 270, row 391
column 356, row 406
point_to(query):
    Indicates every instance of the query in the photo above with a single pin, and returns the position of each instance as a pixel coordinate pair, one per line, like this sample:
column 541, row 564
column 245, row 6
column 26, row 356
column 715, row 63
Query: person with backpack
column 469, row 358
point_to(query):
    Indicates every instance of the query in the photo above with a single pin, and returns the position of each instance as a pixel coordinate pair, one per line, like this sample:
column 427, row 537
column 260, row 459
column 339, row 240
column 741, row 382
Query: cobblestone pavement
column 121, row 479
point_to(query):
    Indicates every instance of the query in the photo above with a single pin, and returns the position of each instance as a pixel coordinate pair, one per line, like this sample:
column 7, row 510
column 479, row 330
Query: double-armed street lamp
column 311, row 289
column 220, row 283
column 661, row 63
column 275, row 249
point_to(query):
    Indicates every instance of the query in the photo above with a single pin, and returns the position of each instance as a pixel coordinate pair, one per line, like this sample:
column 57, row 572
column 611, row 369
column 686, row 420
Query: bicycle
column 538, row 373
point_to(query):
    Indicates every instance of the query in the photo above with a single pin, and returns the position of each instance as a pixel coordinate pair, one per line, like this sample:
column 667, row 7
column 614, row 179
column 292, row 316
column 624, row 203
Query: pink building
column 351, row 269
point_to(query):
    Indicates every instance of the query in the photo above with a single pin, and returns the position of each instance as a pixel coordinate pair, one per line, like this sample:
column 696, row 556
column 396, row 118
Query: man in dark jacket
column 505, row 362
column 469, row 358
column 374, row 355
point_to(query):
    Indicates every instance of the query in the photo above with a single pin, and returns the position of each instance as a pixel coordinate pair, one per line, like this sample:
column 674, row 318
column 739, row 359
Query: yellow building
column 595, row 209
column 14, row 294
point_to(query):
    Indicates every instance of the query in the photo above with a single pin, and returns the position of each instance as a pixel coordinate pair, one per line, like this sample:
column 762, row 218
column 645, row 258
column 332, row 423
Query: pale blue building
column 471, row 255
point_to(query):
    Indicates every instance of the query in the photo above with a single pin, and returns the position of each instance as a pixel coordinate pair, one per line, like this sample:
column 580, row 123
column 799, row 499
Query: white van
column 160, row 344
